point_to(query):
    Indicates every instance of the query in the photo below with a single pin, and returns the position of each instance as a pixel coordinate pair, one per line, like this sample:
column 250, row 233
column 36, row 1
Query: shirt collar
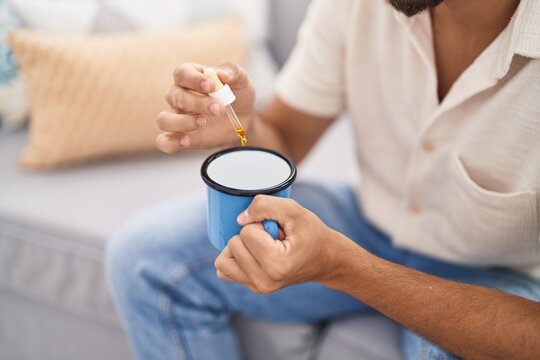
column 521, row 36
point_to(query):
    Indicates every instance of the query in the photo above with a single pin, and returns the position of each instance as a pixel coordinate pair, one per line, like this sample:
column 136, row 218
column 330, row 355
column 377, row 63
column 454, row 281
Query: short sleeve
column 312, row 80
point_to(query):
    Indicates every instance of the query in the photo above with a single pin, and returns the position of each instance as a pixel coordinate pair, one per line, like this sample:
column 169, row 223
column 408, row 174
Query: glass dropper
column 224, row 93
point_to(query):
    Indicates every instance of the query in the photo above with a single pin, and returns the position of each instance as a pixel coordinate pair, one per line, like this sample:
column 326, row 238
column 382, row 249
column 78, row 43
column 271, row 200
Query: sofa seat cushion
column 54, row 225
column 367, row 337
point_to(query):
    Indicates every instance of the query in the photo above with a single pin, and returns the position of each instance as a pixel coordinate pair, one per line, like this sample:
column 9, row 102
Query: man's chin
column 414, row 7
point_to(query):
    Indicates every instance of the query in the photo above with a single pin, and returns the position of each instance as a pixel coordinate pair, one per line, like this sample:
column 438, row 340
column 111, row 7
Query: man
column 445, row 102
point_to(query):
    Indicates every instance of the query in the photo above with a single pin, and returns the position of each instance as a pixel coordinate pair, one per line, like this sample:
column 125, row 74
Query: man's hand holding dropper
column 197, row 121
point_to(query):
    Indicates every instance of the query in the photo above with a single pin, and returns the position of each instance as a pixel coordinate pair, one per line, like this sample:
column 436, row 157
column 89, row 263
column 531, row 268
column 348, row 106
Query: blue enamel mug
column 233, row 177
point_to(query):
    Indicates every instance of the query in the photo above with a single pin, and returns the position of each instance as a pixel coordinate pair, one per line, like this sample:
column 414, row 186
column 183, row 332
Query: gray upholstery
column 285, row 19
column 368, row 336
column 32, row 329
column 261, row 340
column 53, row 229
column 49, row 219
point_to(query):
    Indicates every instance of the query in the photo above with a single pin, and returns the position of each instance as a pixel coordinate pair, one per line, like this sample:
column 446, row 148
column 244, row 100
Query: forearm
column 264, row 134
column 470, row 321
column 282, row 128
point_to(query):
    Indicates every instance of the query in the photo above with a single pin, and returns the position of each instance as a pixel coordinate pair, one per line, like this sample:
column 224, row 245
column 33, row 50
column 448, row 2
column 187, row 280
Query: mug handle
column 271, row 228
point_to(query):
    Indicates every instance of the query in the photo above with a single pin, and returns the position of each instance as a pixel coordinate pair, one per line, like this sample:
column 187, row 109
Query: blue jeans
column 173, row 306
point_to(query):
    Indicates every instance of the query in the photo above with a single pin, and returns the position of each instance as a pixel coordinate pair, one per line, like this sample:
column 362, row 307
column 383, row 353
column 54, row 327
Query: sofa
column 54, row 226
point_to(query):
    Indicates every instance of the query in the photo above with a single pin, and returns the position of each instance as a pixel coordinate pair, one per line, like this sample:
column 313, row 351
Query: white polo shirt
column 457, row 180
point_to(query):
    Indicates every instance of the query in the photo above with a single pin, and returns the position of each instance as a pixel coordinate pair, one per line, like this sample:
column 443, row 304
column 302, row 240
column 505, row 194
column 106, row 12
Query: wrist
column 344, row 260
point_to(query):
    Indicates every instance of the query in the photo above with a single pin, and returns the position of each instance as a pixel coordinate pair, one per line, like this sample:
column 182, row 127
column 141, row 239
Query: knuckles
column 260, row 203
column 180, row 72
column 264, row 203
column 167, row 94
column 247, row 232
column 277, row 272
column 235, row 242
column 265, row 287
column 292, row 205
column 161, row 119
column 233, row 68
column 220, row 275
column 171, row 96
column 218, row 263
column 163, row 145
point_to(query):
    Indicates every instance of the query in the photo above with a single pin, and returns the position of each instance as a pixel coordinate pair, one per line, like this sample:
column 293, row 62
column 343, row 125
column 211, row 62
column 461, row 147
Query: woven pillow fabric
column 97, row 96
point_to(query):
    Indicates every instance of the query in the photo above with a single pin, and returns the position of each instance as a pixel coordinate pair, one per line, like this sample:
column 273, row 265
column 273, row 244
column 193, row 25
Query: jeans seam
column 424, row 351
column 179, row 343
column 175, row 329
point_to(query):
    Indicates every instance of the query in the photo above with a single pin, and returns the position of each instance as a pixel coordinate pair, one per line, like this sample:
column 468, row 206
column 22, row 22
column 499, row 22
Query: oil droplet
column 242, row 135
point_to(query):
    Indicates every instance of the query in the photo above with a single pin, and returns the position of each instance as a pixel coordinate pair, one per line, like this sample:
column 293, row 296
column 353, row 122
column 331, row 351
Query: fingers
column 244, row 258
column 233, row 74
column 237, row 264
column 222, row 276
column 191, row 86
column 171, row 121
column 259, row 243
column 190, row 76
column 193, row 108
column 264, row 207
column 228, row 269
column 190, row 102
column 171, row 142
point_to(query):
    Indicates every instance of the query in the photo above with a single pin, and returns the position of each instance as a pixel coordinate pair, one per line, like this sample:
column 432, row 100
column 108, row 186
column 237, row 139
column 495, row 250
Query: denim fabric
column 160, row 268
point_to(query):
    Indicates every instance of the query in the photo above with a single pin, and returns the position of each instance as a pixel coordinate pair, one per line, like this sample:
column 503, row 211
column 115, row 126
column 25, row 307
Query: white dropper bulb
column 221, row 92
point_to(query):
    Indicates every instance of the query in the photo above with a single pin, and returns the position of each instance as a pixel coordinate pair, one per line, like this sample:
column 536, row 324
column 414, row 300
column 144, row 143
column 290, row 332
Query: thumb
column 233, row 74
column 265, row 207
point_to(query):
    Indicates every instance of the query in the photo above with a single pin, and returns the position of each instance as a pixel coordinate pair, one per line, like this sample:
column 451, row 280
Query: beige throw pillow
column 98, row 96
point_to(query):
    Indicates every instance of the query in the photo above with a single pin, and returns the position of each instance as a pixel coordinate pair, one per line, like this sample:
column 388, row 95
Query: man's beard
column 413, row 7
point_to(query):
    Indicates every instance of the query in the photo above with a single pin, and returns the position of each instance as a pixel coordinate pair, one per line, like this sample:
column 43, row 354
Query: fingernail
column 185, row 141
column 205, row 85
column 214, row 109
column 242, row 218
column 201, row 121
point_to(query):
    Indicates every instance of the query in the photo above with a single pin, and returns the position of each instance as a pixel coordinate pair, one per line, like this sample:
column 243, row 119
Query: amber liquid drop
column 242, row 135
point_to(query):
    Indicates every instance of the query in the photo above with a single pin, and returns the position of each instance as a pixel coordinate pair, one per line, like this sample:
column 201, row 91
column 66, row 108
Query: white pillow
column 75, row 17
column 253, row 12
column 80, row 16
column 154, row 15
